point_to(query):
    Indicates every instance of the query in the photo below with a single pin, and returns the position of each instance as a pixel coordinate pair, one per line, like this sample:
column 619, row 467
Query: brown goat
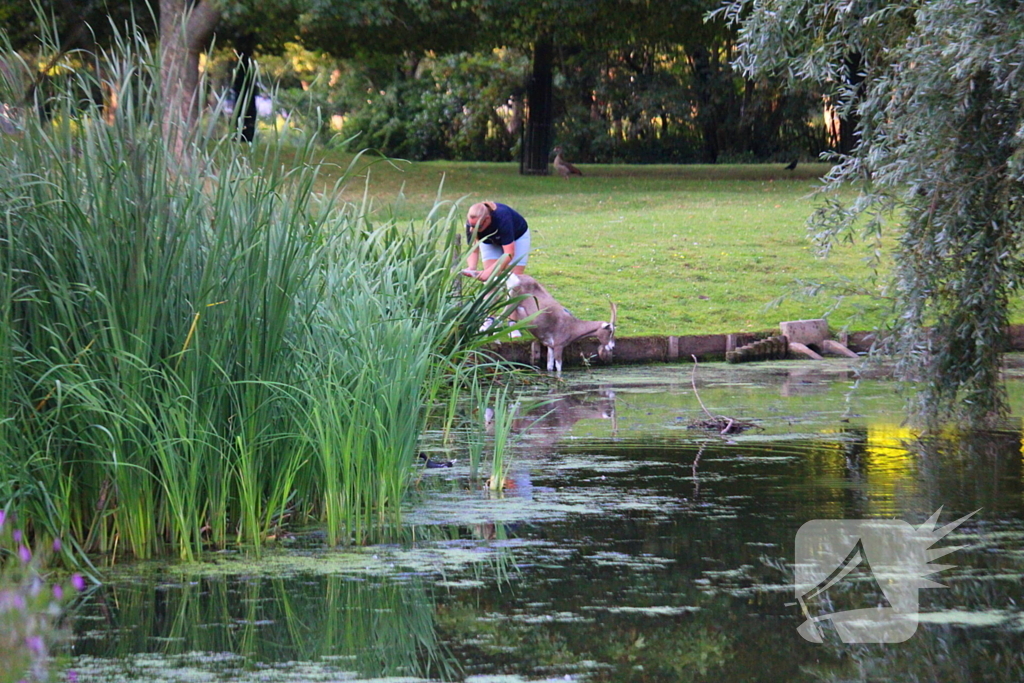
column 554, row 326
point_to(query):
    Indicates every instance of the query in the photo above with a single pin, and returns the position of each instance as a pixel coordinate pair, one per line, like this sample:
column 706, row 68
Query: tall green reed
column 374, row 386
column 505, row 409
column 479, row 421
column 193, row 352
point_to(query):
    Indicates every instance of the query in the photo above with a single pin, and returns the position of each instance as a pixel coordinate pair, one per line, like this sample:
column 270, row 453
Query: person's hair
column 478, row 210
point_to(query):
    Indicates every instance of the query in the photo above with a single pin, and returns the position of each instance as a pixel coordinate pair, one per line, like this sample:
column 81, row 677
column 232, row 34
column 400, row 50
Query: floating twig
column 720, row 423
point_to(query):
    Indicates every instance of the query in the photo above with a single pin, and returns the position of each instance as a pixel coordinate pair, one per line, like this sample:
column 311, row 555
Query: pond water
column 629, row 546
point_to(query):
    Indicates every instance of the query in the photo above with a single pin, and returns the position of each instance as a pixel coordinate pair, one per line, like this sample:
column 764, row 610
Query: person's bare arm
column 472, row 261
column 500, row 265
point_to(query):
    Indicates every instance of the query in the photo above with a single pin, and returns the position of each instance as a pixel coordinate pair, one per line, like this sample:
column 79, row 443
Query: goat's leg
column 558, row 359
column 514, row 315
column 551, row 358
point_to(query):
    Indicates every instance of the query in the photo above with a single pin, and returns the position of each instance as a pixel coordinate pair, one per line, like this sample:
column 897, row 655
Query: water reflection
column 632, row 548
column 228, row 625
column 811, row 381
column 542, row 426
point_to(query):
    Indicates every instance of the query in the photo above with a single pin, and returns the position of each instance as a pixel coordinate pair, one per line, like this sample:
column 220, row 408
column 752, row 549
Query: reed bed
column 193, row 352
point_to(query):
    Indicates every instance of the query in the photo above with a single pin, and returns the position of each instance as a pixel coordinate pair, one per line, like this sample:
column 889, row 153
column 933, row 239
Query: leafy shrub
column 451, row 107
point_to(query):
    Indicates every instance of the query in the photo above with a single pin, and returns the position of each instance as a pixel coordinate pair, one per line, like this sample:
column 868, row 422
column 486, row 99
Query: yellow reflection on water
column 828, row 469
column 889, row 468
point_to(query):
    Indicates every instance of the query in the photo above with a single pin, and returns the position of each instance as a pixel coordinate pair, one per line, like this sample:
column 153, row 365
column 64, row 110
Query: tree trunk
column 245, row 89
column 184, row 32
column 704, row 91
column 537, row 145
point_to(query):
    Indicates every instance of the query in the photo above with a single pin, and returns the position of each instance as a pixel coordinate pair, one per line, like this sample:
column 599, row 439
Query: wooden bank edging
column 672, row 348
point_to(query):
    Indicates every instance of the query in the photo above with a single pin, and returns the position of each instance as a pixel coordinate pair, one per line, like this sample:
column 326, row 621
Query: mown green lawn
column 680, row 249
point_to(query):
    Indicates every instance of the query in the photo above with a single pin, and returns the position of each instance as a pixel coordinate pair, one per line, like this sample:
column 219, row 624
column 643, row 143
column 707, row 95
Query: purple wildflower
column 36, row 645
column 56, row 545
column 58, row 592
column 78, row 582
column 72, row 676
column 16, row 535
column 25, row 554
column 3, row 517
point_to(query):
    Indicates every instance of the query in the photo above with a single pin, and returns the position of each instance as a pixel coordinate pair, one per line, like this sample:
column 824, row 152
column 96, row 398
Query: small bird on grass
column 792, row 165
column 564, row 168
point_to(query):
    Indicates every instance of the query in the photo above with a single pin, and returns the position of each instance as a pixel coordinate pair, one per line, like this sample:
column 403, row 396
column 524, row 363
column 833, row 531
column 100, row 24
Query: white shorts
column 492, row 252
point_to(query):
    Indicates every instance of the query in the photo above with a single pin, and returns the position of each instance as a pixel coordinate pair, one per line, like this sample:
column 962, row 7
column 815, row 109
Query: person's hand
column 469, row 272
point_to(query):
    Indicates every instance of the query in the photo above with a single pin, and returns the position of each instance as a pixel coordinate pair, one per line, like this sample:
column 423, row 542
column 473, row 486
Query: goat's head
column 606, row 337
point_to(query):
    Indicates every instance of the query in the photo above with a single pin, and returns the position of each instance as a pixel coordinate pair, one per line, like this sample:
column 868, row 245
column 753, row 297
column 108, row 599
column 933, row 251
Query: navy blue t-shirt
column 506, row 226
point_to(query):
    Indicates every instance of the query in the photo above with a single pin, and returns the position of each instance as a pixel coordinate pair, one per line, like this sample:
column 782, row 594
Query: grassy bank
column 681, row 249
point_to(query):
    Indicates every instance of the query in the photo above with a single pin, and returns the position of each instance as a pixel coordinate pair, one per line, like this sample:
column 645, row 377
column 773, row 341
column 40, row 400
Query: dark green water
column 629, row 547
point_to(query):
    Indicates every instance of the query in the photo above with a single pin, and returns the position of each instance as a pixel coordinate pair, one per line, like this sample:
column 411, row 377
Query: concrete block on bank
column 647, row 349
column 805, row 350
column 702, row 345
column 833, row 346
column 811, row 338
column 807, row 332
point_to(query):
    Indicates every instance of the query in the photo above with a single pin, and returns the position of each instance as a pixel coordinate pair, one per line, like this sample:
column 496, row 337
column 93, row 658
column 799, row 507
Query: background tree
column 187, row 28
column 661, row 82
column 185, row 32
column 559, row 36
column 367, row 29
column 609, row 80
column 405, row 93
column 938, row 108
column 543, row 28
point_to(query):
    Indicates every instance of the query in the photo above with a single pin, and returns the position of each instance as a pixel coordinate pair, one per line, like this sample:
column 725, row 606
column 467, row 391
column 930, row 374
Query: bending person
column 500, row 236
